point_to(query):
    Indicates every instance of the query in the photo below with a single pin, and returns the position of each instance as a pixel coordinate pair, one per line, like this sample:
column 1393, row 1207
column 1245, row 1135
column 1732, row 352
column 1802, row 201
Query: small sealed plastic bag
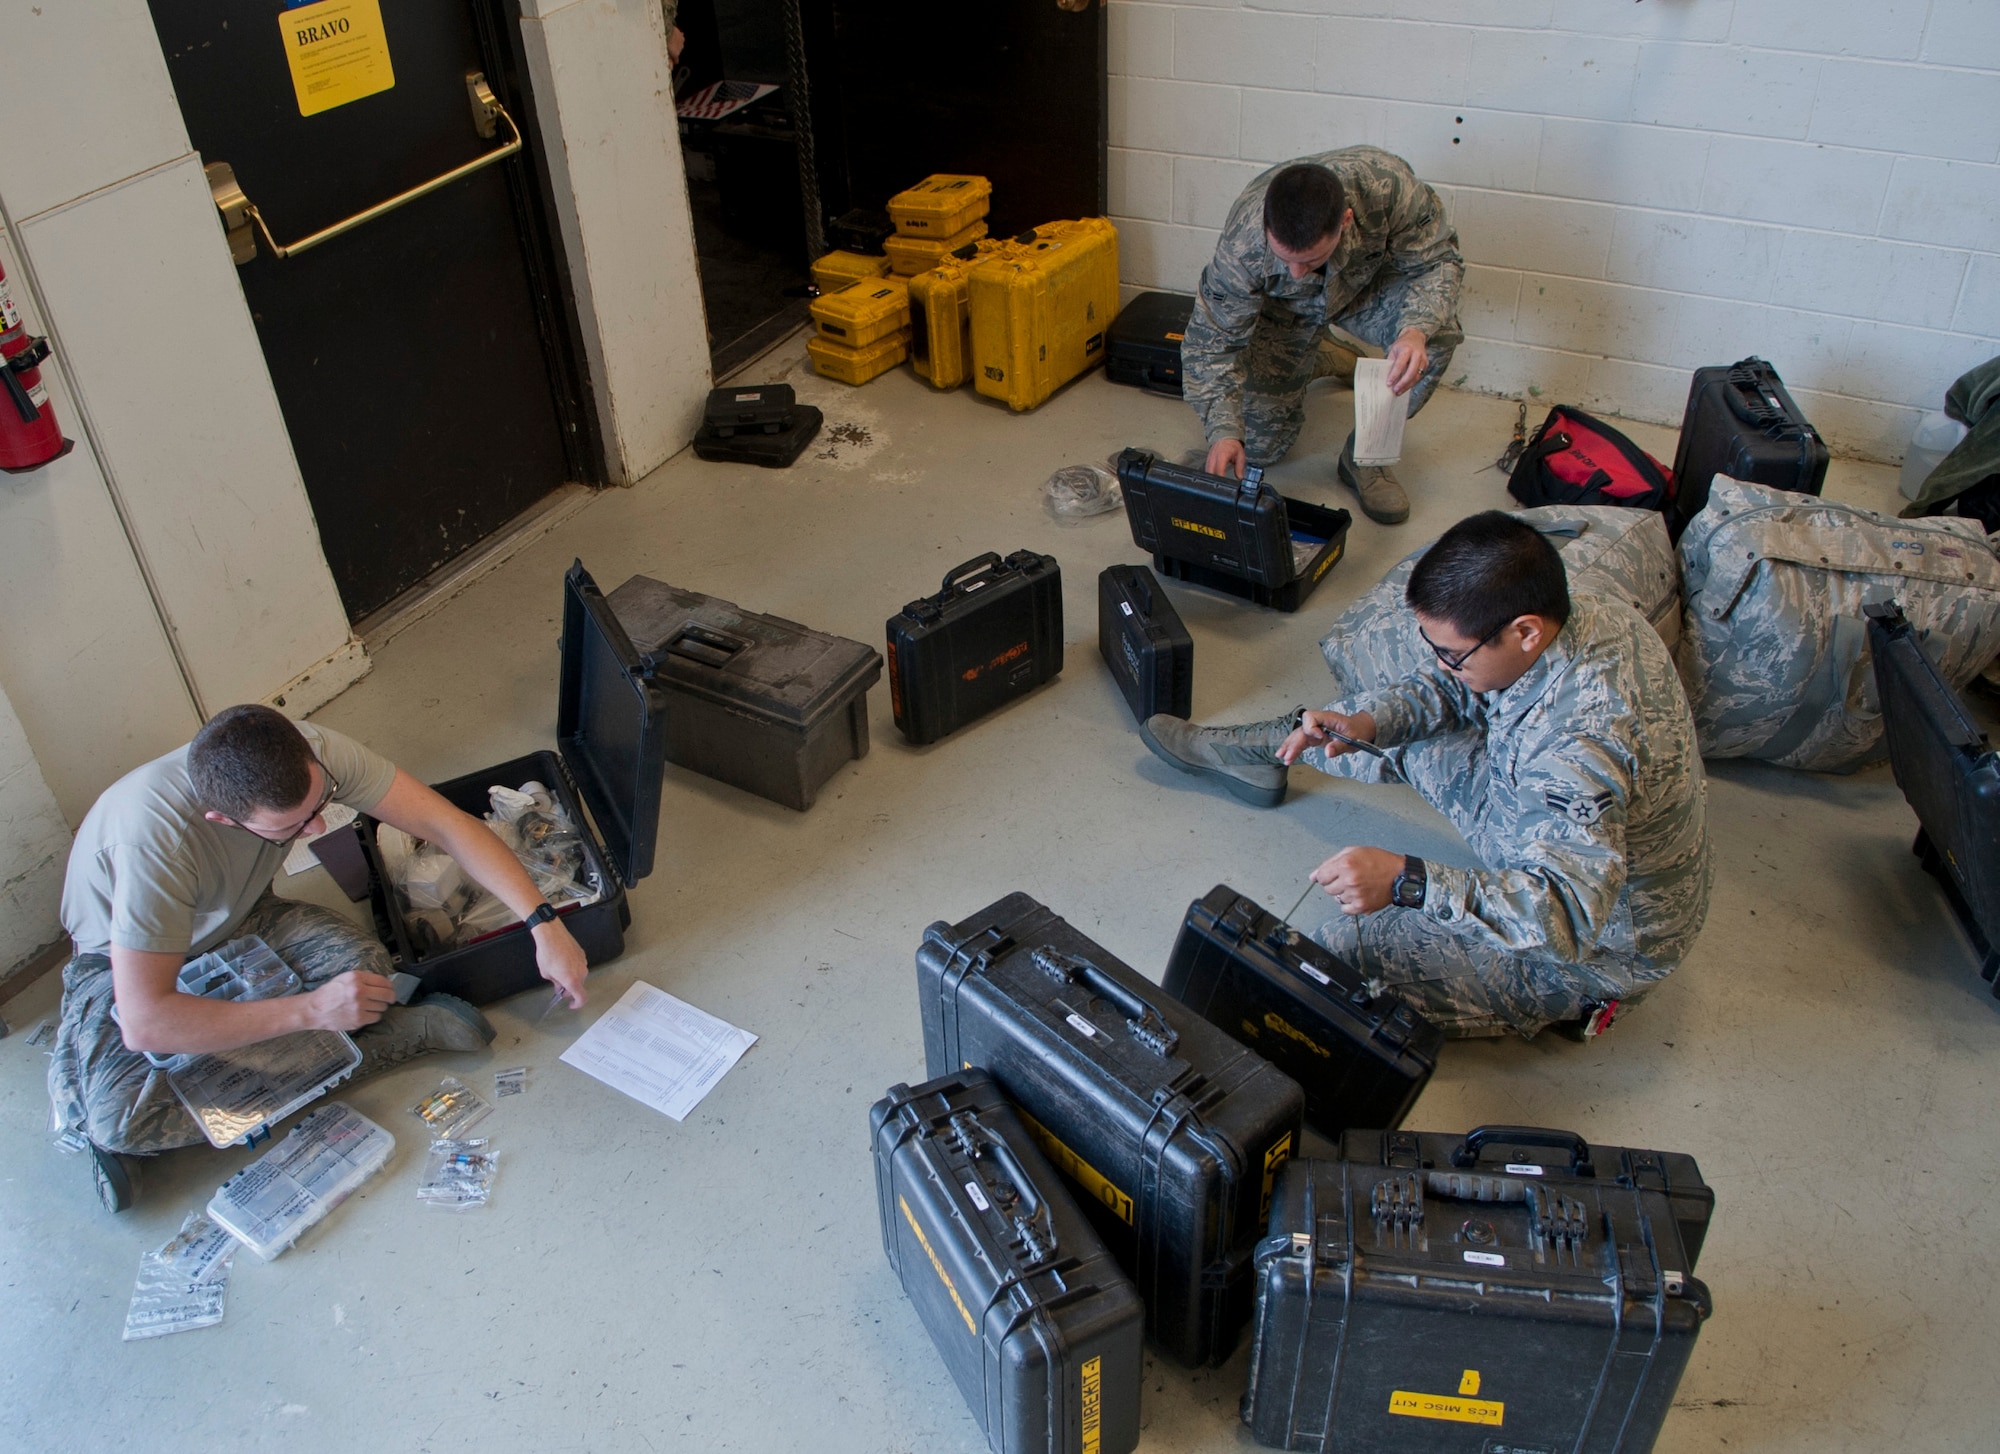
column 184, row 1284
column 510, row 1082
column 1076, row 492
column 452, row 1109
column 459, row 1174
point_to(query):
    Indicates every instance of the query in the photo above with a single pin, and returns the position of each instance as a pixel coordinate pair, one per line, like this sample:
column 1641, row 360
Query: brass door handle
column 239, row 213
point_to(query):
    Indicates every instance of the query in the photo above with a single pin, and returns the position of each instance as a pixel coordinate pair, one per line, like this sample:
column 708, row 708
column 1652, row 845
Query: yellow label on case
column 1196, row 527
column 943, row 1276
column 1468, row 1382
column 1092, row 1404
column 1277, row 1156
column 1442, row 1406
column 1078, row 1170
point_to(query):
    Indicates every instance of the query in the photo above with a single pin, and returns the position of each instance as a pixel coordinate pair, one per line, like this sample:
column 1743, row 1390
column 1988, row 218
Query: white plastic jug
column 1937, row 435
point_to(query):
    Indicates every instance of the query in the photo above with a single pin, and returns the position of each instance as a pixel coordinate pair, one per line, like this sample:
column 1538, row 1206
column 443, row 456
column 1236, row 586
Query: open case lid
column 611, row 727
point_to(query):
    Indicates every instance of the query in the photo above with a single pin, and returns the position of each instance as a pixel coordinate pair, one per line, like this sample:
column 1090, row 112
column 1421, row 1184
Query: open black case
column 607, row 769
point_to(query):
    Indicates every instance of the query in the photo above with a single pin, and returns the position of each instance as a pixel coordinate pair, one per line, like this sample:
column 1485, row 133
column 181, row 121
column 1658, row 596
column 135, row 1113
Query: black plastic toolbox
column 1039, row 1327
column 1951, row 775
column 1172, row 1130
column 994, row 632
column 1362, row 1059
column 1741, row 422
column 1403, row 1311
column 756, row 701
column 1143, row 344
column 749, row 409
column 1142, row 640
column 771, row 449
column 610, row 759
column 1239, row 536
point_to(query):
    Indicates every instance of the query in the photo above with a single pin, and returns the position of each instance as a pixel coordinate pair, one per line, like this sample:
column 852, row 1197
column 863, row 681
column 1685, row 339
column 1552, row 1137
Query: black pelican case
column 756, row 701
column 1239, row 536
column 1039, row 1327
column 606, row 771
column 994, row 632
column 1950, row 774
column 1172, row 1130
column 1361, row 1059
column 1142, row 640
column 1404, row 1311
column 749, row 409
column 1741, row 422
column 1143, row 344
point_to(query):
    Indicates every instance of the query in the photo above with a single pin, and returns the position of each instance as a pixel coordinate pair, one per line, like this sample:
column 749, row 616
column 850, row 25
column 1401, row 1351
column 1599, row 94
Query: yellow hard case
column 856, row 317
column 941, row 319
column 940, row 205
column 909, row 256
column 858, row 365
column 838, row 269
column 1040, row 308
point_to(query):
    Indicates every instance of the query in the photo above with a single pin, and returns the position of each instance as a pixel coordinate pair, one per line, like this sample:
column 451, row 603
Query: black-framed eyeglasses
column 332, row 791
column 1457, row 662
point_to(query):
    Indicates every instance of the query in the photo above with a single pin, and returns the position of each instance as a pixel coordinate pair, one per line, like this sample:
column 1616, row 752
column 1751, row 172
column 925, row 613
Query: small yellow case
column 940, row 205
column 856, row 317
column 941, row 319
column 858, row 365
column 838, row 269
column 909, row 256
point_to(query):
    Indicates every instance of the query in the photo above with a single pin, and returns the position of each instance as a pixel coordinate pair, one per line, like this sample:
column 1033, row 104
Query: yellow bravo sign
column 338, row 53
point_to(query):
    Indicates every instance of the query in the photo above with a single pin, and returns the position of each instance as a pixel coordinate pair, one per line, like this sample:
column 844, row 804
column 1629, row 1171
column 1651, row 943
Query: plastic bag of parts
column 452, row 1109
column 458, row 1174
column 443, row 909
column 184, row 1284
column 1076, row 492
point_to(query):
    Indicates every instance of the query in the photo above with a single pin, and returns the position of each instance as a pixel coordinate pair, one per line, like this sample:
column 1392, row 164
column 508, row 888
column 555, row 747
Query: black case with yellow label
column 1039, row 1327
column 993, row 633
column 1172, row 1131
column 1143, row 345
column 1361, row 1059
column 1406, row 1309
column 1239, row 536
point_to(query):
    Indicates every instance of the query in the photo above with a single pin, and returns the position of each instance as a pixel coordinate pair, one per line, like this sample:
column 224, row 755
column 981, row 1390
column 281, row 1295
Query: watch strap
column 542, row 913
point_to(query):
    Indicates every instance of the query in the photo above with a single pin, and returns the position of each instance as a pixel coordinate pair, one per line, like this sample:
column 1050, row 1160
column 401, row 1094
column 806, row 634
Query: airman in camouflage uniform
column 1253, row 340
column 1582, row 786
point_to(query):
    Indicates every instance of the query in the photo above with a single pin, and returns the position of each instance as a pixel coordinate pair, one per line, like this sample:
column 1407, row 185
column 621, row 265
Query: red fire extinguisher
column 29, row 436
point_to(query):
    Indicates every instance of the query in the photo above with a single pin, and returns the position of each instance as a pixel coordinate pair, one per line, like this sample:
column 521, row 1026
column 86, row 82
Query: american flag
column 719, row 98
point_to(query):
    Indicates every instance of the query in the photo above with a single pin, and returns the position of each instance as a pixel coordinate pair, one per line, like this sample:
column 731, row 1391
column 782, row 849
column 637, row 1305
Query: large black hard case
column 994, row 632
column 1525, row 1151
column 1239, row 536
column 756, row 701
column 1950, row 773
column 1410, row 1312
column 1039, row 1327
column 610, row 759
column 1143, row 344
column 1361, row 1059
column 1173, row 1131
column 1740, row 422
column 1142, row 640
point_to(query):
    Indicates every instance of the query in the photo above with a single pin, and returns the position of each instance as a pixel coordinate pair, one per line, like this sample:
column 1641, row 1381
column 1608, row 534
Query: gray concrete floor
column 1827, row 1052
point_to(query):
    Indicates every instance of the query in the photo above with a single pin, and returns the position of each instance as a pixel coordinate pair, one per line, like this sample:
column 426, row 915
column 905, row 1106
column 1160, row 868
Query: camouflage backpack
column 1774, row 648
column 1608, row 552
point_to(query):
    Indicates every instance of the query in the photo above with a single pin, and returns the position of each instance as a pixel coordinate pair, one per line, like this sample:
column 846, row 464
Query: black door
column 425, row 362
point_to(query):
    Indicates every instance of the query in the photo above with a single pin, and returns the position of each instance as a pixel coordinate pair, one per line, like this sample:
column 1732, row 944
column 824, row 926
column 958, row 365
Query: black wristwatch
column 542, row 914
column 1408, row 891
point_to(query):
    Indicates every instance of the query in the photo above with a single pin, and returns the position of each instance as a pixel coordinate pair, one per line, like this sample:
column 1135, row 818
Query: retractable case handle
column 1480, row 1137
column 1148, row 1026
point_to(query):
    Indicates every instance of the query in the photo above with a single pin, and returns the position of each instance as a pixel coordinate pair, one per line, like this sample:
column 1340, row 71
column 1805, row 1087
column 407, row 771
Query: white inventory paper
column 659, row 1050
column 1379, row 415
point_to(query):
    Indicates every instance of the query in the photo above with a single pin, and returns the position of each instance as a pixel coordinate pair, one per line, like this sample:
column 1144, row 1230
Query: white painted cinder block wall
column 1639, row 188
column 34, row 848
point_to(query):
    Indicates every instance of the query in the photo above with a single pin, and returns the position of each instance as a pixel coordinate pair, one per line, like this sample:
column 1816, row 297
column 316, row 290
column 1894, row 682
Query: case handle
column 1148, row 1026
column 705, row 645
column 971, row 567
column 1477, row 1139
column 1034, row 1222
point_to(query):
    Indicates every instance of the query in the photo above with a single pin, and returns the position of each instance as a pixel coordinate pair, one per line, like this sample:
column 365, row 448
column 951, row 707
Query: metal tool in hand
column 1286, row 922
column 555, row 1000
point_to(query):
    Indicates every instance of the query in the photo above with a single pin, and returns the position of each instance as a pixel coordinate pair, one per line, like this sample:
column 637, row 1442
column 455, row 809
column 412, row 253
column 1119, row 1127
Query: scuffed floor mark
column 293, row 1409
column 339, row 1315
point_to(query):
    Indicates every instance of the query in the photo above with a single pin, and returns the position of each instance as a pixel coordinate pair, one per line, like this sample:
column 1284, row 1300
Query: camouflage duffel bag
column 1608, row 551
column 1774, row 648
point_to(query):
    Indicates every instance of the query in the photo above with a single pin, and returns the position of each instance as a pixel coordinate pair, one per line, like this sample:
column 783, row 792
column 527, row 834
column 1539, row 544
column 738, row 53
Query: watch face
column 1409, row 893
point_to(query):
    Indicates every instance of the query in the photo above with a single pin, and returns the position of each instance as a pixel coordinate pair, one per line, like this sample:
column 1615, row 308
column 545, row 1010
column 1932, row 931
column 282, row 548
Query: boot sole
column 1348, row 479
column 115, row 1187
column 1249, row 793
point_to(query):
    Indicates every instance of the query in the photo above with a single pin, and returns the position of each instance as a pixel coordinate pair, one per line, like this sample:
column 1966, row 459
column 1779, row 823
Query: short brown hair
column 250, row 757
column 1303, row 206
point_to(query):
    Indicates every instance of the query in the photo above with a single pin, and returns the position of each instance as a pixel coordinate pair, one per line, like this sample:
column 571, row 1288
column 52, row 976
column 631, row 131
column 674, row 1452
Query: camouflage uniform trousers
column 1465, row 986
column 123, row 1102
column 1279, row 362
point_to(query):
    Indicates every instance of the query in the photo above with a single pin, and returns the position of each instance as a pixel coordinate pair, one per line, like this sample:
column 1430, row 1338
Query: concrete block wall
column 34, row 848
column 1639, row 189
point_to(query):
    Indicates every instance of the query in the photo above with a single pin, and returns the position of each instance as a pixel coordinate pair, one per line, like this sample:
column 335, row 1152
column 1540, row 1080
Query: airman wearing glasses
column 1555, row 736
column 177, row 858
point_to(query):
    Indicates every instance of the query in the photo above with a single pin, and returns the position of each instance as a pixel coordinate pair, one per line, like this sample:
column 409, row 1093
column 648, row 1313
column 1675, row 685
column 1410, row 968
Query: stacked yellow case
column 863, row 330
column 941, row 320
column 839, row 270
column 909, row 256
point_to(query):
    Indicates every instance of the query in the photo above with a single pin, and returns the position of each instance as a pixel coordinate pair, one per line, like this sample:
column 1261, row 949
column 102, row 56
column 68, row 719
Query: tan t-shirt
column 147, row 871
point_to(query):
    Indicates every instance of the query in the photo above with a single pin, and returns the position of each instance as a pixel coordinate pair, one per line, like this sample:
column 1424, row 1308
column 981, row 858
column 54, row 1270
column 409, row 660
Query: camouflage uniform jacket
column 1584, row 791
column 1399, row 228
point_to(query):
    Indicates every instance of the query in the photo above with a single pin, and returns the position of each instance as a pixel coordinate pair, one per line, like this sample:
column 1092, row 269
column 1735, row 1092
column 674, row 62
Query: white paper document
column 1378, row 414
column 336, row 817
column 660, row 1051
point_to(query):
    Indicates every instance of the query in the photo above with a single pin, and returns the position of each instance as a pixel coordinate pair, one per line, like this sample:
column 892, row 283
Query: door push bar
column 239, row 212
